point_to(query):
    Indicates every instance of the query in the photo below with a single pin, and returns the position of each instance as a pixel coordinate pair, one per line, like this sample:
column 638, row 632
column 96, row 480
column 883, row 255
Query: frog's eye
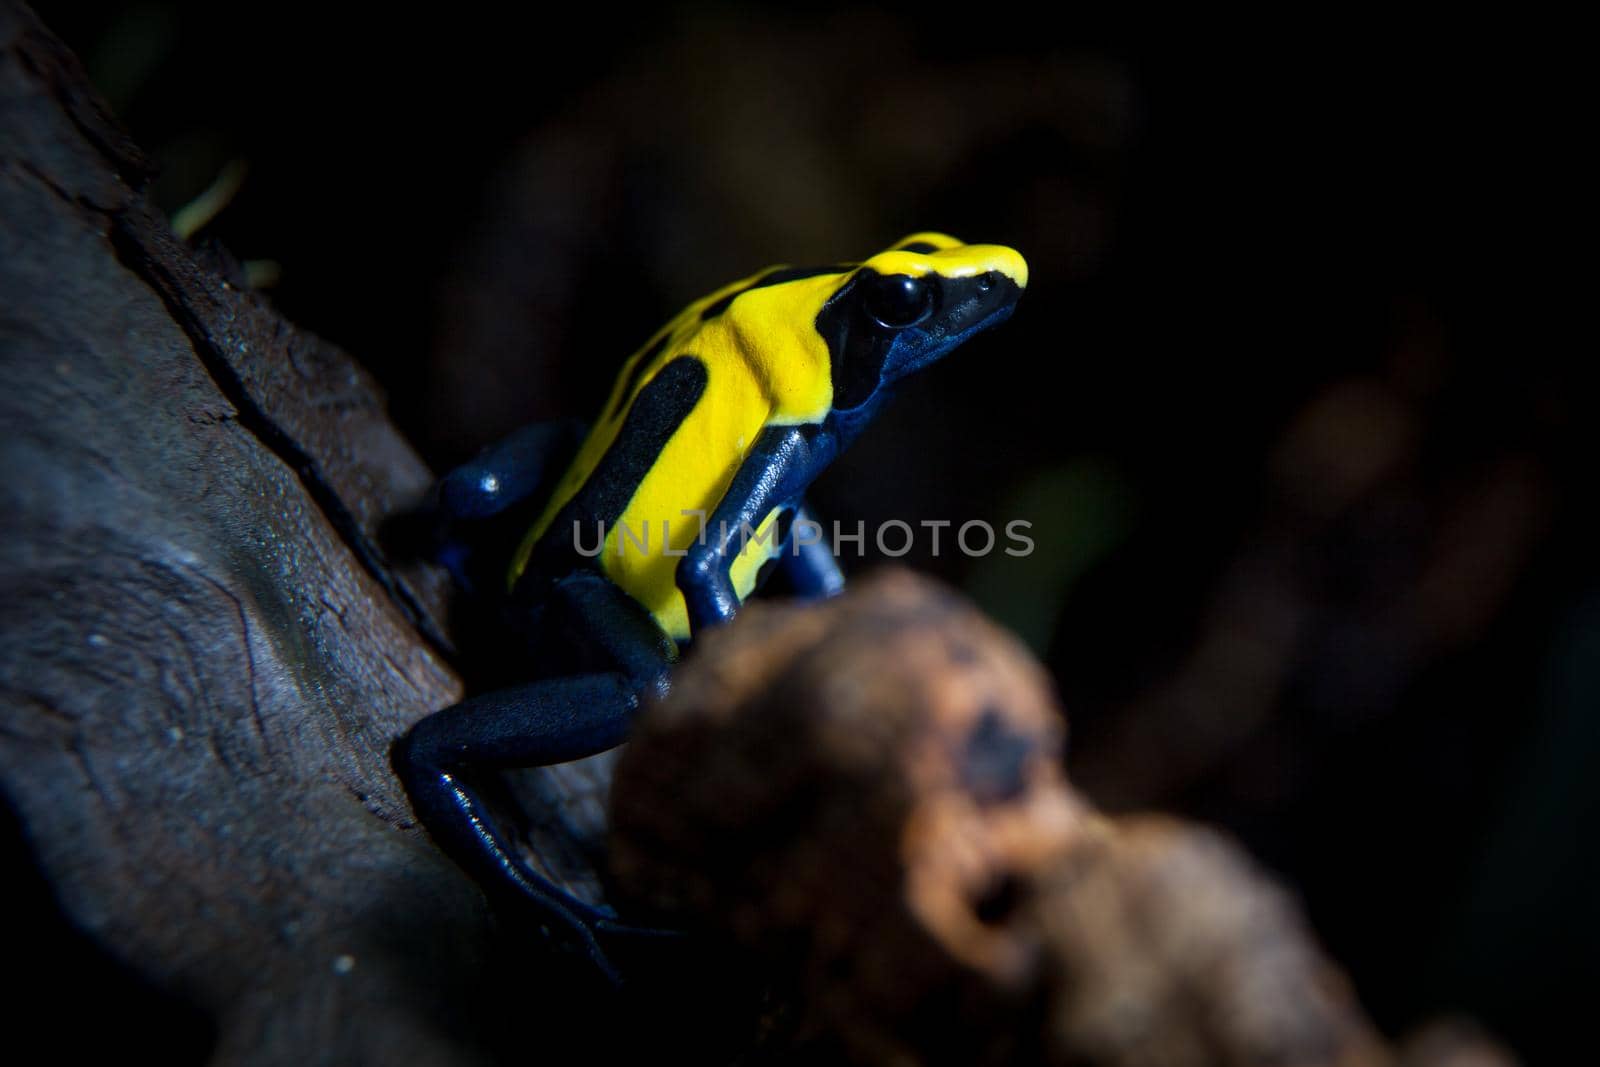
column 898, row 301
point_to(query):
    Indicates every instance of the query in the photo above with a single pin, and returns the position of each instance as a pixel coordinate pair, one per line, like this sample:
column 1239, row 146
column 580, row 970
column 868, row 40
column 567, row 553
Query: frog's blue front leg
column 780, row 465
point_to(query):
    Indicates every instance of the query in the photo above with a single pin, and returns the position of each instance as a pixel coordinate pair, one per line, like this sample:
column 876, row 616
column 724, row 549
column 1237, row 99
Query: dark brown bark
column 205, row 654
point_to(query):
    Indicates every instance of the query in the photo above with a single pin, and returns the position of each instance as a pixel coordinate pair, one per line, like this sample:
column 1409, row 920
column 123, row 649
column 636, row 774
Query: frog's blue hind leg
column 531, row 725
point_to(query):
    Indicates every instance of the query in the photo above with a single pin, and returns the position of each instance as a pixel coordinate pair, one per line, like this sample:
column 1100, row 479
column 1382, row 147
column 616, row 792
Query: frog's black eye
column 898, row 301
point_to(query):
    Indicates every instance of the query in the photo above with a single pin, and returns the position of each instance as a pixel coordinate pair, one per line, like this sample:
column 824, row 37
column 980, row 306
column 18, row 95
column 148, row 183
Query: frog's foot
column 807, row 559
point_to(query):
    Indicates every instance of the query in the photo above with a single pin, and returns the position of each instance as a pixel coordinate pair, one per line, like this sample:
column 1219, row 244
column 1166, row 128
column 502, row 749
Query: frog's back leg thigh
column 535, row 724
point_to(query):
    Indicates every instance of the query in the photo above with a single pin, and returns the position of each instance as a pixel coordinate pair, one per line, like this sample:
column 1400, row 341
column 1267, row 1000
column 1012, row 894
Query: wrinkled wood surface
column 205, row 654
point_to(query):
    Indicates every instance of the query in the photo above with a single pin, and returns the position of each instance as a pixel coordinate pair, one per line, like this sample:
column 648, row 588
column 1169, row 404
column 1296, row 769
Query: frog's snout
column 999, row 261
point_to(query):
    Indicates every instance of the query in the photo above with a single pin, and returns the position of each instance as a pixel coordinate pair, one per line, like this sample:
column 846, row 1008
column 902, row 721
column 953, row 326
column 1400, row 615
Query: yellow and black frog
column 685, row 492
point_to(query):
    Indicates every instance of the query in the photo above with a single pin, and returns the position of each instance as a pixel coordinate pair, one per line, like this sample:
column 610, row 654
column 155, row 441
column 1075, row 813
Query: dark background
column 1284, row 404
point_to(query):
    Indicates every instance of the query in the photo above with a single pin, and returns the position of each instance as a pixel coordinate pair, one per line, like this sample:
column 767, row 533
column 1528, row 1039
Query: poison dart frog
column 682, row 494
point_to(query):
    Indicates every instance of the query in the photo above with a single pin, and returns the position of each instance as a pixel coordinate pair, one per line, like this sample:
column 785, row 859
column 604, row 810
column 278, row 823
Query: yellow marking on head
column 955, row 261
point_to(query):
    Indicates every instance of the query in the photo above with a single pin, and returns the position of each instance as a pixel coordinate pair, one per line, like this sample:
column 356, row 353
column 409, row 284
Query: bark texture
column 205, row 653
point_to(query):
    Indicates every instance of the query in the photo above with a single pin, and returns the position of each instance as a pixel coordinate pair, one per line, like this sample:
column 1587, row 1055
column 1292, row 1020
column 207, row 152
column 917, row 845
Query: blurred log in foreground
column 867, row 793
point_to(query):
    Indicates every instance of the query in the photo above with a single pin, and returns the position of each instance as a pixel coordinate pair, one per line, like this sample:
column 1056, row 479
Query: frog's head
column 905, row 308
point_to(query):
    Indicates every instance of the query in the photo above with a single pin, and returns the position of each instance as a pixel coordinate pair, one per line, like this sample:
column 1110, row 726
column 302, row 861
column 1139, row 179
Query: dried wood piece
column 1454, row 1043
column 205, row 654
column 867, row 793
column 1165, row 947
column 859, row 787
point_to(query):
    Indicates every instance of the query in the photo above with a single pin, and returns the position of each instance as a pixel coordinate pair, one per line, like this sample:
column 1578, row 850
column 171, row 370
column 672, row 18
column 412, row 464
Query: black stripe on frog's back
column 636, row 372
column 652, row 419
column 772, row 277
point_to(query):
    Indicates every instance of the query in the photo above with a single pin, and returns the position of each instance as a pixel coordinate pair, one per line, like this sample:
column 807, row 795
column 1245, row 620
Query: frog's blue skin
column 862, row 328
